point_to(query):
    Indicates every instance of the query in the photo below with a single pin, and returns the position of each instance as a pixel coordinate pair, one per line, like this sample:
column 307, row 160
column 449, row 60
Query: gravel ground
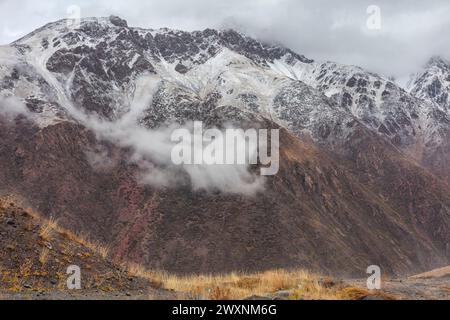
column 414, row 289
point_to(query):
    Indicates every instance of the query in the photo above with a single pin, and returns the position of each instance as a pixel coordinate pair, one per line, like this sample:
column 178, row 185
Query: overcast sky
column 409, row 32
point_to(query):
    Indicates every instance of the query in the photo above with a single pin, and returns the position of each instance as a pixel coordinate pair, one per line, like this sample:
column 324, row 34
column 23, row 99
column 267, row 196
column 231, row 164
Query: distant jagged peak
column 438, row 61
column 117, row 21
column 173, row 44
column 65, row 26
column 433, row 82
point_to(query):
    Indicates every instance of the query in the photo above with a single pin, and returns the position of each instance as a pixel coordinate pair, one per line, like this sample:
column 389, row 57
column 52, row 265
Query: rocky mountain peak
column 117, row 21
column 433, row 82
column 439, row 62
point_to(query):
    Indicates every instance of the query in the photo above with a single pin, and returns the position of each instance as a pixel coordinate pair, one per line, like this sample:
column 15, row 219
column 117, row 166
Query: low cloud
column 151, row 150
column 12, row 107
column 100, row 159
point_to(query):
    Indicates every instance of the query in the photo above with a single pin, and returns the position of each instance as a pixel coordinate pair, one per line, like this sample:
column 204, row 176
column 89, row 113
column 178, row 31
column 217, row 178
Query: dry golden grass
column 95, row 246
column 155, row 278
column 235, row 286
column 354, row 293
column 50, row 226
column 47, row 229
column 14, row 280
column 25, row 269
column 43, row 257
column 84, row 240
column 299, row 283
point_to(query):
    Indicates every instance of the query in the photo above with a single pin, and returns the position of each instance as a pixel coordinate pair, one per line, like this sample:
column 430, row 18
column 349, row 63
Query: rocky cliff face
column 433, row 83
column 349, row 192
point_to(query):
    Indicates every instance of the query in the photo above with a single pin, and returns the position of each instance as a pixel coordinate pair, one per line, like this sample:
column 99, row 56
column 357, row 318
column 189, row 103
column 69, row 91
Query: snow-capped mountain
column 433, row 83
column 415, row 125
column 104, row 67
column 106, row 55
column 346, row 191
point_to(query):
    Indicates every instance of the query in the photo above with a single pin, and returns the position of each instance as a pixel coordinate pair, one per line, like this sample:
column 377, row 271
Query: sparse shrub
column 220, row 293
column 43, row 257
column 248, row 283
column 196, row 293
column 25, row 269
column 353, row 293
column 47, row 229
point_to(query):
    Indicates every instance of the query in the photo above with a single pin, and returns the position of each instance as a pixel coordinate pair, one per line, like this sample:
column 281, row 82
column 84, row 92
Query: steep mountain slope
column 314, row 213
column 35, row 255
column 433, row 85
column 345, row 196
column 419, row 127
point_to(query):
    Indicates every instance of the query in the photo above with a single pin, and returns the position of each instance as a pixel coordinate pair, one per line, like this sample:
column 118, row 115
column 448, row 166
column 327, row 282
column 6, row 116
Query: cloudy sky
column 397, row 41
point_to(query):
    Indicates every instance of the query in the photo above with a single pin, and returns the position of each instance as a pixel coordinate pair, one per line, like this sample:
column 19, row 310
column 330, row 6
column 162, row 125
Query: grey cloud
column 11, row 107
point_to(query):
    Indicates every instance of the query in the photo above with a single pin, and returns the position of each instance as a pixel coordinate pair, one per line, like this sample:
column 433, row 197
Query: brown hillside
column 35, row 254
column 317, row 213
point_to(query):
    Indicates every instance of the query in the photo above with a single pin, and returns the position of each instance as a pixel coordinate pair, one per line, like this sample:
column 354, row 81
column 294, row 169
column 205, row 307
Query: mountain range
column 364, row 163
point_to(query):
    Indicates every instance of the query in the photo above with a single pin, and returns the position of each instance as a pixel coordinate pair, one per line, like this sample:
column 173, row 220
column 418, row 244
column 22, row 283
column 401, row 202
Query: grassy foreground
column 282, row 284
column 38, row 251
